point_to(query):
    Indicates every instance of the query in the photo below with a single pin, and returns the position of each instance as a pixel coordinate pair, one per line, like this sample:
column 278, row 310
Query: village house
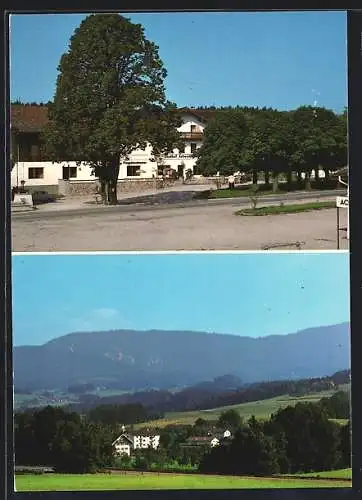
column 36, row 172
column 126, row 443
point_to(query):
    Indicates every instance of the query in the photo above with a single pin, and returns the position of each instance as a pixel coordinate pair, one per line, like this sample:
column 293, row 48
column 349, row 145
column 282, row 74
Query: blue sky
column 277, row 59
column 253, row 294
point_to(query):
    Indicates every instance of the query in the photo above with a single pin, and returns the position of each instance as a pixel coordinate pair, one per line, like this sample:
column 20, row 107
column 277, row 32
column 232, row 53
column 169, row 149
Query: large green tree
column 222, row 148
column 313, row 441
column 229, row 419
column 250, row 452
column 109, row 99
column 319, row 140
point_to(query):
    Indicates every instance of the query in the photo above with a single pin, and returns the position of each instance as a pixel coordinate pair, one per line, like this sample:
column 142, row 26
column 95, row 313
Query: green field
column 152, row 481
column 260, row 409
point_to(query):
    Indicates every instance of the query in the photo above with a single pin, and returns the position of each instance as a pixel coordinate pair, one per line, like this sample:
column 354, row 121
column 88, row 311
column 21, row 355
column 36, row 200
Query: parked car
column 40, row 197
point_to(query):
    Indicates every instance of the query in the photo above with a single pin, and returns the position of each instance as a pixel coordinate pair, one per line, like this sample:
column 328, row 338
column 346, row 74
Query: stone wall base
column 125, row 186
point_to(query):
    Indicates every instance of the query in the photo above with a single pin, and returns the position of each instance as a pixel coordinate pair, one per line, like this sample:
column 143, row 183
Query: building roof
column 199, row 439
column 28, row 117
column 33, row 118
column 123, row 437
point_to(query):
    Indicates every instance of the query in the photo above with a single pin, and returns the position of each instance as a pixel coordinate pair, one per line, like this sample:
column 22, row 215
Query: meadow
column 329, row 474
column 260, row 409
column 160, row 481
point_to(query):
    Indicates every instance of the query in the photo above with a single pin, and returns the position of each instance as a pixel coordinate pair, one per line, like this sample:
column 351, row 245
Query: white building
column 32, row 171
column 125, row 443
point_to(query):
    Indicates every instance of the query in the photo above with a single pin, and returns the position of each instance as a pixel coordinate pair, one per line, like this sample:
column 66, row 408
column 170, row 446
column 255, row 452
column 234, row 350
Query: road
column 192, row 225
column 165, row 201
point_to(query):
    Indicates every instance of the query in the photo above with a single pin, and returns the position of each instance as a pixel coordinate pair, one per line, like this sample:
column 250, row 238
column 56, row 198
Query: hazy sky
column 277, row 59
column 253, row 294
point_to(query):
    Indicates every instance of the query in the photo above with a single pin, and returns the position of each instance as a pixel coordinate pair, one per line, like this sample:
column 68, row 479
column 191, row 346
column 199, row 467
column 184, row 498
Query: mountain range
column 137, row 360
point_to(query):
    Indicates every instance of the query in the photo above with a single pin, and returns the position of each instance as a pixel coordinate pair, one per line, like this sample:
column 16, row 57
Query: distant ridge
column 133, row 360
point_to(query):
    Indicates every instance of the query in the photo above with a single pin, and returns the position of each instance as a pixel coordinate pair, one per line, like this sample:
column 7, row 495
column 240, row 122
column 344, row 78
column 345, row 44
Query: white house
column 126, row 443
column 31, row 169
column 123, row 445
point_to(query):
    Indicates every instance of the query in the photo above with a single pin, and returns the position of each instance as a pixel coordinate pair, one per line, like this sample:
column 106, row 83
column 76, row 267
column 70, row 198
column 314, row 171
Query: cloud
column 106, row 313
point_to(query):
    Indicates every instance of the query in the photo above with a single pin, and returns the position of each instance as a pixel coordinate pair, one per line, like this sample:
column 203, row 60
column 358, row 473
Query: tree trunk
column 275, row 181
column 307, row 180
column 326, row 174
column 108, row 176
column 112, row 191
column 103, row 192
column 267, row 177
column 289, row 179
column 299, row 176
column 316, row 176
column 255, row 176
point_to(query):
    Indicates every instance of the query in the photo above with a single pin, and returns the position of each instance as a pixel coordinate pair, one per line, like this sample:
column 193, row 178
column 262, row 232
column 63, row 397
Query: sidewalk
column 71, row 203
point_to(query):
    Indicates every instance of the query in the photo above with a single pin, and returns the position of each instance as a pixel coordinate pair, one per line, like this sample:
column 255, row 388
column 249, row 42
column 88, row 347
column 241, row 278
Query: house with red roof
column 31, row 165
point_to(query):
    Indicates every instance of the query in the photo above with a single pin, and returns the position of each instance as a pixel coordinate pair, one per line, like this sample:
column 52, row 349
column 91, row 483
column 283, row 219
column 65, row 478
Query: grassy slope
column 260, row 409
column 139, row 481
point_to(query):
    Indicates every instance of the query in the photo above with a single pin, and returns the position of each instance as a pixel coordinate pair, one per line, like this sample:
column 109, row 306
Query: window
column 69, row 173
column 133, row 170
column 193, row 147
column 36, row 173
column 193, row 128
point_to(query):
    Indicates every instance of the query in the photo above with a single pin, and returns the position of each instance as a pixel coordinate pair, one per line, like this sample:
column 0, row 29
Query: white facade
column 140, row 163
column 123, row 449
column 145, row 442
column 125, row 444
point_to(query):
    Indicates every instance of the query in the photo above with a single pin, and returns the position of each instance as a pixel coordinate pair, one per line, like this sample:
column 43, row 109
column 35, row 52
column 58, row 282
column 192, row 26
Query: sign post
column 337, row 227
column 342, row 202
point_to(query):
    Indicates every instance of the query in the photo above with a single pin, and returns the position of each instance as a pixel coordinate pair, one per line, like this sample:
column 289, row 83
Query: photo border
column 354, row 47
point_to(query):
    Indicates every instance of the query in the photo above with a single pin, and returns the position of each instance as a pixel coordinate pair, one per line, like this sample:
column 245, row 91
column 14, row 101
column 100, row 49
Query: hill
column 261, row 409
column 133, row 360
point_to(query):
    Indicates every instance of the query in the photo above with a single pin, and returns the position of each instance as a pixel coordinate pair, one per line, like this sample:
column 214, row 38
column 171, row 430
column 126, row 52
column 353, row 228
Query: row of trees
column 295, row 439
column 274, row 142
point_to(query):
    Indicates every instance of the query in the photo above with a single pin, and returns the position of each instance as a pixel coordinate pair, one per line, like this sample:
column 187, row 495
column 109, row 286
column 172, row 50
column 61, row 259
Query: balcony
column 192, row 136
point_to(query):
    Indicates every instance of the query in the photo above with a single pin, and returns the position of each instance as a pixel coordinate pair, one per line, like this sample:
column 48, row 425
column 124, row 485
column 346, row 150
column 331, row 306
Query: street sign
column 342, row 202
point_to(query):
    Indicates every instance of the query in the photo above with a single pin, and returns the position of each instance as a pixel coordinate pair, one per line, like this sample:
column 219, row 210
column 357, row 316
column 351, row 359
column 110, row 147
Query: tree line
column 274, row 142
column 295, row 439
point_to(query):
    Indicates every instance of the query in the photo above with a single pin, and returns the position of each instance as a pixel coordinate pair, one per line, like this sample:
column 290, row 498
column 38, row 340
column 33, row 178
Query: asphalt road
column 197, row 225
column 167, row 201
